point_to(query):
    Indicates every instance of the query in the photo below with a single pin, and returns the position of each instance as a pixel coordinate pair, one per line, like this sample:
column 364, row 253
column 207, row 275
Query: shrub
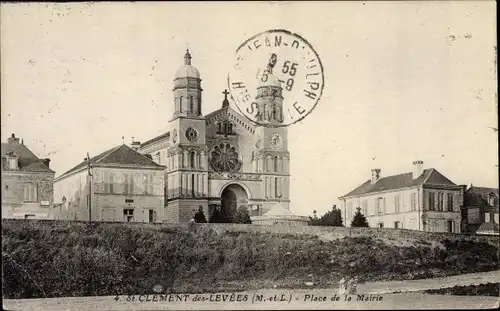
column 359, row 219
column 241, row 216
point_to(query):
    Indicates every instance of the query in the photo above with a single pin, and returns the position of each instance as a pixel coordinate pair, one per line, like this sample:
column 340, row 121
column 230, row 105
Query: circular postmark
column 277, row 78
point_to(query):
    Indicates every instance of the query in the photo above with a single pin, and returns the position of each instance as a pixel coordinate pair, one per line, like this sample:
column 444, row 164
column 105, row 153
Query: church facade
column 220, row 160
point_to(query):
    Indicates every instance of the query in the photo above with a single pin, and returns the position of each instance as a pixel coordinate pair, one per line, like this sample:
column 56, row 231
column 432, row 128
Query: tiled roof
column 122, row 154
column 476, row 196
column 28, row 162
column 429, row 177
column 157, row 138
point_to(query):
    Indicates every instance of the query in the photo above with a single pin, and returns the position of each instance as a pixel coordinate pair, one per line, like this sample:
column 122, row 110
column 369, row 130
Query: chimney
column 418, row 168
column 13, row 139
column 46, row 161
column 375, row 175
column 135, row 144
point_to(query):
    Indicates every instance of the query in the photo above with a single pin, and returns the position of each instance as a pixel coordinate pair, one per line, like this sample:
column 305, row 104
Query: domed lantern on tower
column 187, row 89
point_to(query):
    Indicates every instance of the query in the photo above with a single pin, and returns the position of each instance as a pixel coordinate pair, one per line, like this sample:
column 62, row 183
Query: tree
column 199, row 217
column 332, row 218
column 242, row 216
column 359, row 219
column 314, row 220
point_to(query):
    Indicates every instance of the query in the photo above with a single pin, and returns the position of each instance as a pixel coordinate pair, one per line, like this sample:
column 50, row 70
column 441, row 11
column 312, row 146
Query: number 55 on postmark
column 277, row 78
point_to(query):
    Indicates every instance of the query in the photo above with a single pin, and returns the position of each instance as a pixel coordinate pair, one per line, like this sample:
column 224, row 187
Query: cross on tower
column 225, row 94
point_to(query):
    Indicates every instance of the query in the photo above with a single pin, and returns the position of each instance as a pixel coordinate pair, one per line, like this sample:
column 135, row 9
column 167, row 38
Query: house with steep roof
column 119, row 184
column 423, row 200
column 480, row 210
column 27, row 182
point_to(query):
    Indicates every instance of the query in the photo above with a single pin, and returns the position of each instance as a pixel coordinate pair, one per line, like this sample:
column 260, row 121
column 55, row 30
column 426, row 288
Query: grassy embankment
column 57, row 258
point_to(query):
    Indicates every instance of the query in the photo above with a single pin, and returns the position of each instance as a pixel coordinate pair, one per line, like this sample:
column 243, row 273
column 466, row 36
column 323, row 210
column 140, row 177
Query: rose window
column 191, row 134
column 225, row 158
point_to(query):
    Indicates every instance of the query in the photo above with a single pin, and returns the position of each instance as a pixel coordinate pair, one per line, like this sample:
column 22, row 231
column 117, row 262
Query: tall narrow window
column 432, row 201
column 193, row 159
column 276, row 164
column 148, row 183
column 219, row 128
column 225, row 128
column 180, row 104
column 199, row 105
column 440, row 202
column 111, row 182
column 396, row 204
column 276, row 192
column 152, row 215
column 125, row 183
column 450, row 202
column 191, row 104
column 413, row 201
column 230, row 128
column 192, row 185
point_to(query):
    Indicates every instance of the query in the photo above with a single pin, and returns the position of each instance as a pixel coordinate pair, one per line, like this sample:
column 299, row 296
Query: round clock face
column 192, row 134
column 174, row 136
column 276, row 140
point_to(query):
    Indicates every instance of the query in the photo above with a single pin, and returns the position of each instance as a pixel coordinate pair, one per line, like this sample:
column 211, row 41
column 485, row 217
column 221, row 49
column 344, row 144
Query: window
column 128, row 183
column 180, row 104
column 29, row 192
column 219, row 128
column 193, row 159
column 152, row 215
column 109, row 180
column 148, row 183
column 487, row 217
column 492, row 199
column 450, row 226
column 276, row 164
column 191, row 104
column 29, row 216
column 449, row 206
column 413, row 201
column 397, row 225
column 440, row 202
column 192, row 185
column 225, row 128
column 276, row 194
column 396, row 203
column 380, row 224
column 364, row 207
column 128, row 214
column 432, row 201
column 380, row 205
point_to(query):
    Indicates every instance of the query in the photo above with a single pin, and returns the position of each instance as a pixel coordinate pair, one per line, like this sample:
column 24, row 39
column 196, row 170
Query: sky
column 404, row 81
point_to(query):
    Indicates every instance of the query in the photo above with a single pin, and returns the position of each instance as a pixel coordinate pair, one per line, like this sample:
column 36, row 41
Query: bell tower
column 271, row 157
column 187, row 174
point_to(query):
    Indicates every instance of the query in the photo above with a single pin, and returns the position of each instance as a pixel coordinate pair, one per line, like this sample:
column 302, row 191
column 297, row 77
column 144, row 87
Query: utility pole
column 89, row 197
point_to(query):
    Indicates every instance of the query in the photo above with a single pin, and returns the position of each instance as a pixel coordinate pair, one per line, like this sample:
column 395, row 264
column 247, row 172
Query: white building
column 423, row 200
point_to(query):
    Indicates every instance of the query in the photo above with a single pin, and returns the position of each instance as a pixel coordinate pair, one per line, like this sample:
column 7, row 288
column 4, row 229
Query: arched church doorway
column 232, row 197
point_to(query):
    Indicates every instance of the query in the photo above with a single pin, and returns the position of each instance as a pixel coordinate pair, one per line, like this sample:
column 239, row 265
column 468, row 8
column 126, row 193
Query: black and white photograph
column 249, row 155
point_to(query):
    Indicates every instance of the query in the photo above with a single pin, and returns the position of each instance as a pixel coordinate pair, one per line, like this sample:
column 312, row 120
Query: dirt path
column 376, row 296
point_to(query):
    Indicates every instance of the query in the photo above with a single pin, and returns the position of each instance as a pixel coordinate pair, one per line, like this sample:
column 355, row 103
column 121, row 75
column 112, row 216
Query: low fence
column 325, row 233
